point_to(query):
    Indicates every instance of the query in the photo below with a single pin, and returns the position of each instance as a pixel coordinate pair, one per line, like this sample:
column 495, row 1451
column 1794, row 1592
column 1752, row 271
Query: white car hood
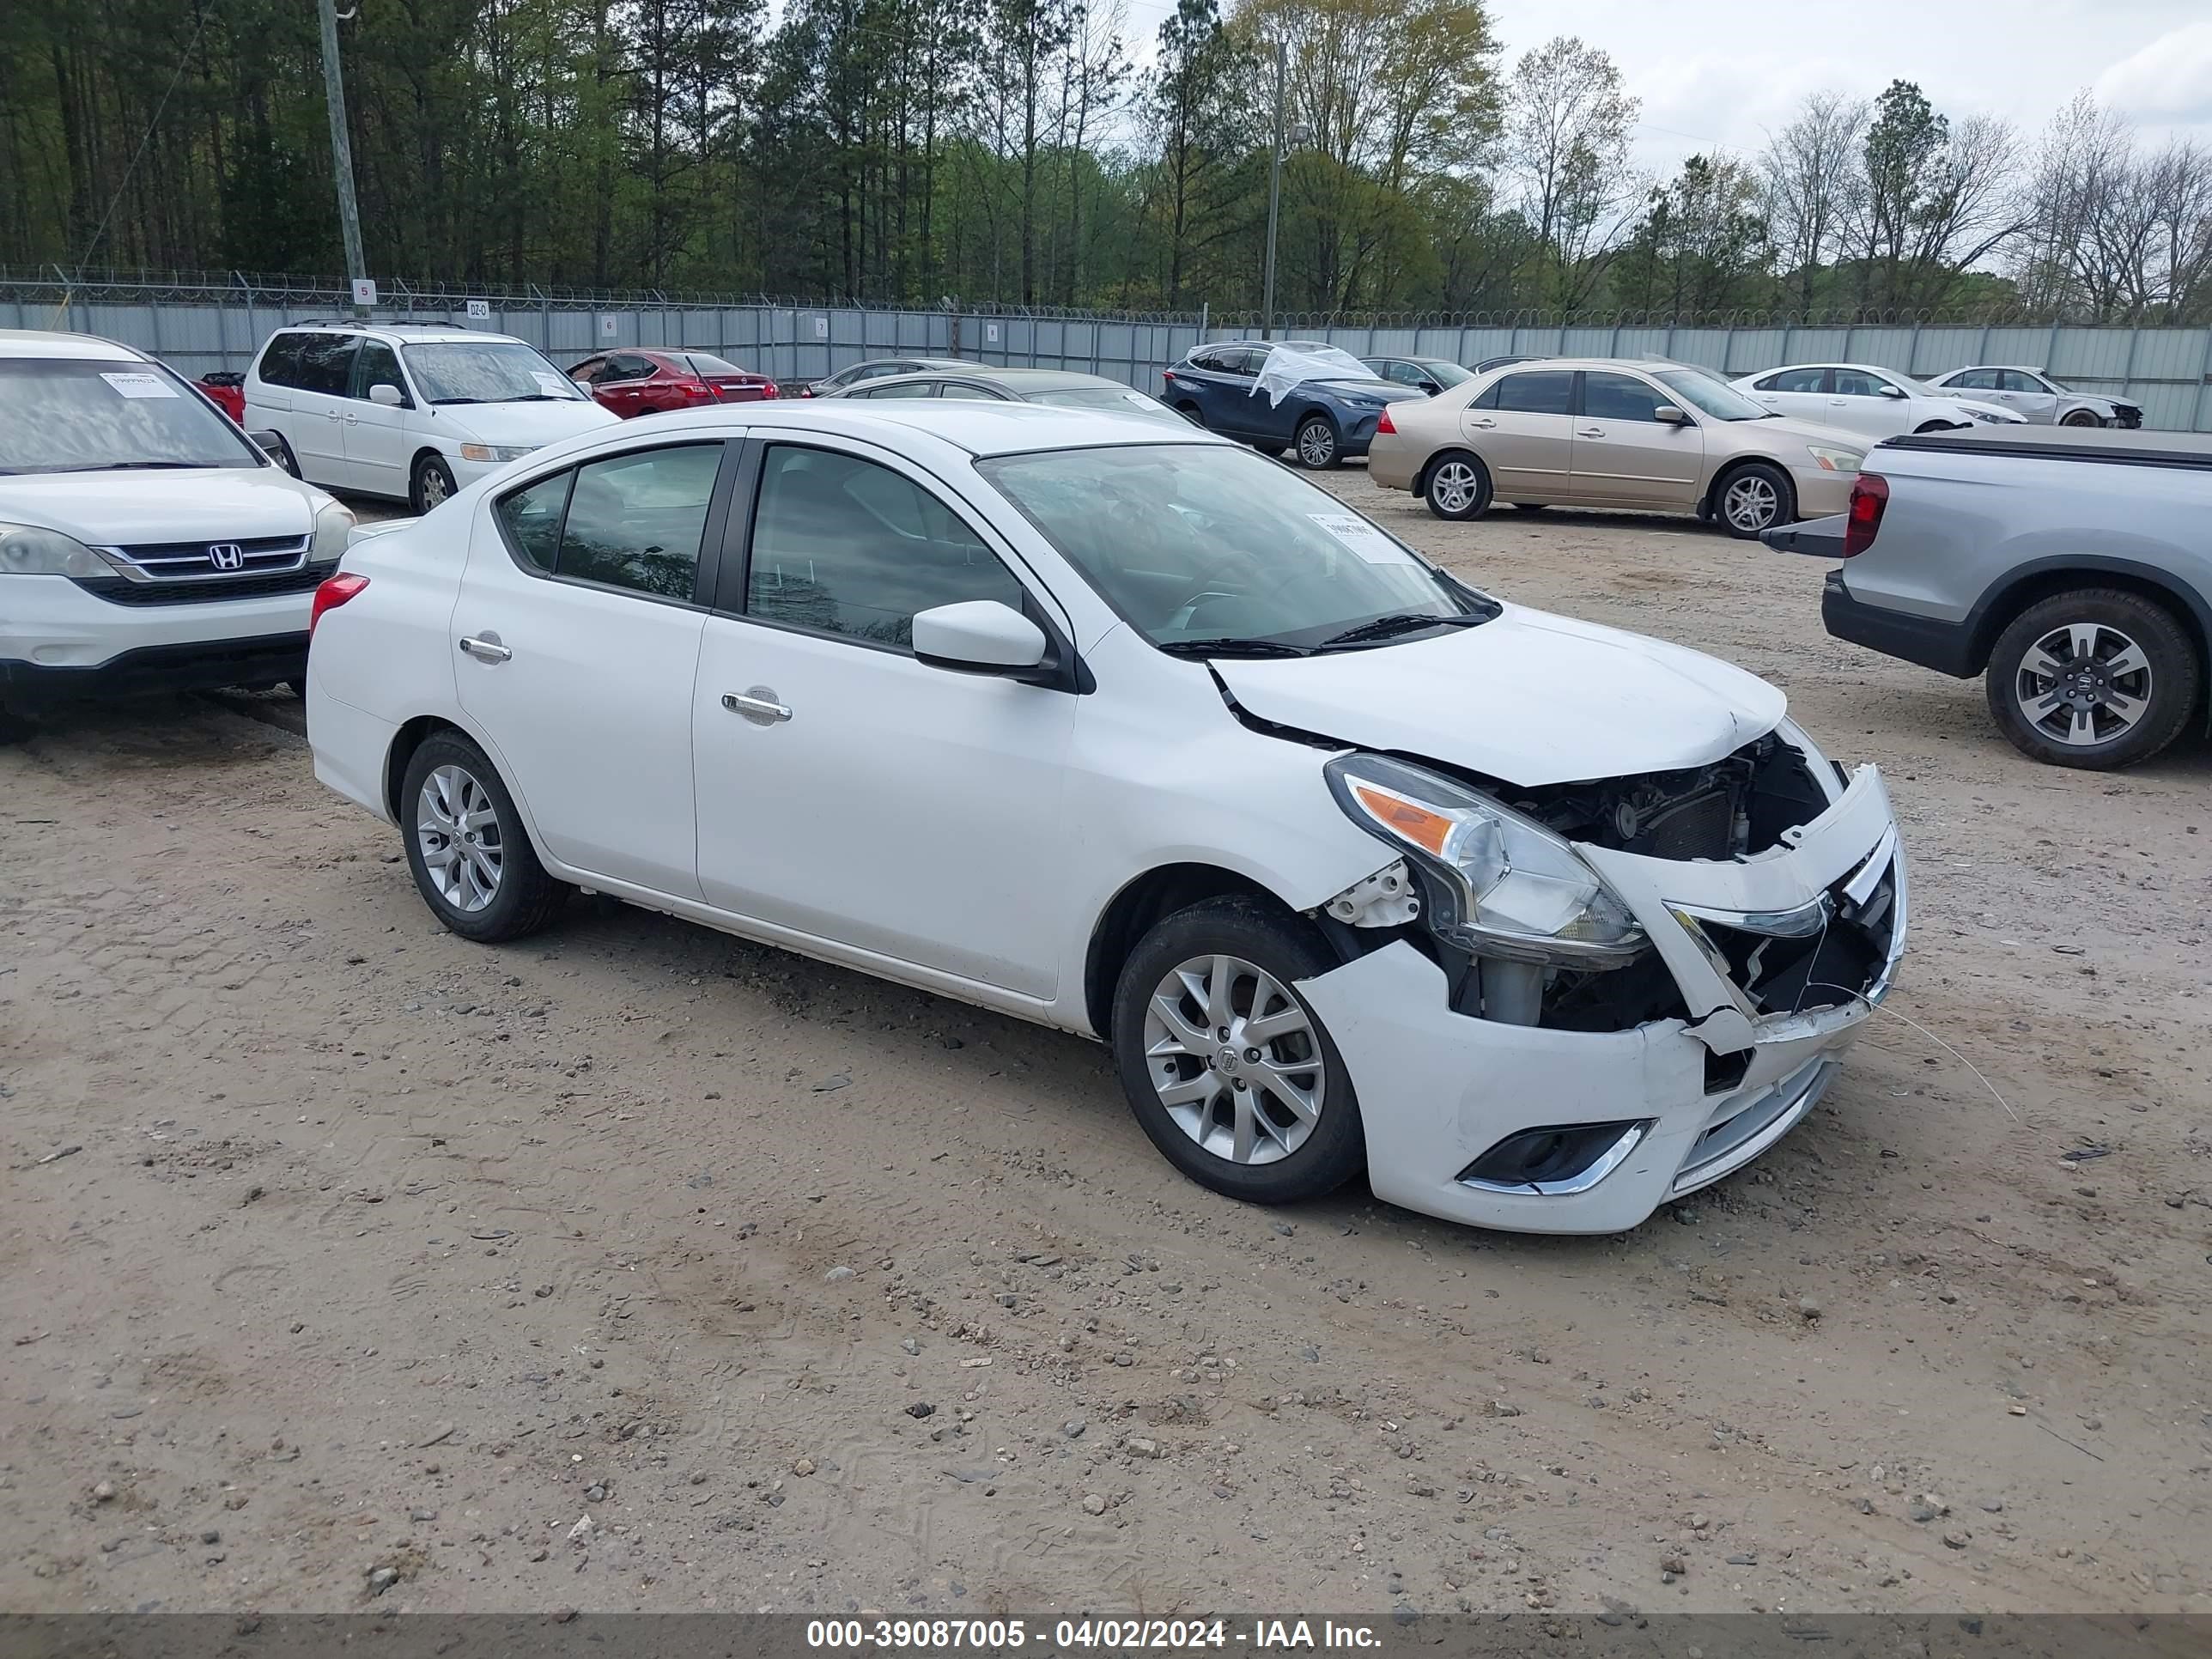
column 222, row 503
column 519, row 425
column 1528, row 698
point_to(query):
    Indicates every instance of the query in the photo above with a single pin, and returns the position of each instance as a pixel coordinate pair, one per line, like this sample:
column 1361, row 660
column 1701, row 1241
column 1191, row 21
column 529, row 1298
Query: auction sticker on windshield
column 1363, row 538
column 551, row 385
column 139, row 385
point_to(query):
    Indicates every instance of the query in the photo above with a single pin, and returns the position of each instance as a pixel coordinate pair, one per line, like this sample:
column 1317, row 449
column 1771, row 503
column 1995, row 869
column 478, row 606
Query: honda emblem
column 226, row 556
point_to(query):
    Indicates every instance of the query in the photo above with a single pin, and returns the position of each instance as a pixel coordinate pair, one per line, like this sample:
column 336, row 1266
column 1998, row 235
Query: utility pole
column 341, row 147
column 1275, row 194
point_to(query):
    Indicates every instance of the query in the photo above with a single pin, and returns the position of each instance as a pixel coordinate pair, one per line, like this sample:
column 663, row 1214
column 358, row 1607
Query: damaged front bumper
column 1779, row 957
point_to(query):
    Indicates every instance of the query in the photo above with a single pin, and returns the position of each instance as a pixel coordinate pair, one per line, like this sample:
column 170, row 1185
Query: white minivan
column 410, row 411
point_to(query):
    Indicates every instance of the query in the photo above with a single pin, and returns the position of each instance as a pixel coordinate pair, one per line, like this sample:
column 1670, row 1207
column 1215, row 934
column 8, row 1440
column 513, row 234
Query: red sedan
column 648, row 382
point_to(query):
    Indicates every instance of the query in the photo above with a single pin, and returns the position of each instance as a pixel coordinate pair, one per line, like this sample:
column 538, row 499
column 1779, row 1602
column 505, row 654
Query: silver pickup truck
column 2072, row 568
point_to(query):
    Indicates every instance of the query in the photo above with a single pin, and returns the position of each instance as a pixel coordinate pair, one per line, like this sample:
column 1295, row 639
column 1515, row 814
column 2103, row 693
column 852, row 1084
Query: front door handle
column 1589, row 432
column 758, row 705
column 486, row 649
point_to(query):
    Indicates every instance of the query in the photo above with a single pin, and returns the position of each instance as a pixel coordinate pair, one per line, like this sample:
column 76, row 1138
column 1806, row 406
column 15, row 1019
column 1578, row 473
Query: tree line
column 1046, row 153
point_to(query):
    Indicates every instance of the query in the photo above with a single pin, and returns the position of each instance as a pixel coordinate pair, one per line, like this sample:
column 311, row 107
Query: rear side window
column 1974, row 379
column 841, row 545
column 1546, row 393
column 634, row 522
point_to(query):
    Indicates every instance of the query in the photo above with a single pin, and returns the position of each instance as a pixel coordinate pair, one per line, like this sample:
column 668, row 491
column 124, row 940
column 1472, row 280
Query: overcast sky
column 1724, row 73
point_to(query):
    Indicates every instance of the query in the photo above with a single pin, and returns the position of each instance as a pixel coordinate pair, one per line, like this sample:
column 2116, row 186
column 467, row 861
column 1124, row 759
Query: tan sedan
column 1602, row 433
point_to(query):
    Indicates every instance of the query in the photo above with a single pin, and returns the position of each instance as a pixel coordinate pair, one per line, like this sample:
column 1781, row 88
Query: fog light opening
column 1558, row 1159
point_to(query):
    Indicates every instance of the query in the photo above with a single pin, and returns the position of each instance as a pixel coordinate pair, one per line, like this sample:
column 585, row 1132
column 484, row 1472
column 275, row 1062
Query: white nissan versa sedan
column 1123, row 728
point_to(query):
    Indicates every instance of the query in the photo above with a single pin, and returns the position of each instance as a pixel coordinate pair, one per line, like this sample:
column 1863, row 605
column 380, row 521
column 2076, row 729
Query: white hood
column 1528, row 698
column 518, row 426
column 220, row 503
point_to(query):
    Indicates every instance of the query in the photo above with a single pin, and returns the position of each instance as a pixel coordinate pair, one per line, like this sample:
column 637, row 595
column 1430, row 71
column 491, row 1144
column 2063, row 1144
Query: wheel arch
column 2041, row 578
column 1140, row 903
column 1712, row 500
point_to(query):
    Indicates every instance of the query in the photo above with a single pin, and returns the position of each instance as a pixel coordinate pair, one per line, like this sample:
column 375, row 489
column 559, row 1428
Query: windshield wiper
column 456, row 400
column 1383, row 628
column 1231, row 648
column 139, row 466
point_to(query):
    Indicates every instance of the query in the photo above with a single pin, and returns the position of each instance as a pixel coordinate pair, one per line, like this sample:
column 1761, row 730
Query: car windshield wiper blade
column 1383, row 628
column 1231, row 648
column 138, row 466
column 456, row 400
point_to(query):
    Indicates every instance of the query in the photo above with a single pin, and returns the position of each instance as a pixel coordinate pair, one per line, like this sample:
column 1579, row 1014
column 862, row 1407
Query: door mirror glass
column 388, row 395
column 979, row 636
column 1671, row 415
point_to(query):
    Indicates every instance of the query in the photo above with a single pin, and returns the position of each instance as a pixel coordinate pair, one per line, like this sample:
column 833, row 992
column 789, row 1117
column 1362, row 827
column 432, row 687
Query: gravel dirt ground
column 638, row 1266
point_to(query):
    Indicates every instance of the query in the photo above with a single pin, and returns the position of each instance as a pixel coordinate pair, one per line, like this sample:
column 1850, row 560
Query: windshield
column 487, row 372
column 1715, row 397
column 1118, row 399
column 79, row 415
column 1211, row 550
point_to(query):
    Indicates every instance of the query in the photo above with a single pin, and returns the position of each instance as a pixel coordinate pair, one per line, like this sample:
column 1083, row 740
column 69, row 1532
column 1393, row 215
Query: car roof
column 2023, row 368
column 979, row 429
column 400, row 333
column 1020, row 381
column 1864, row 368
column 46, row 343
column 896, row 357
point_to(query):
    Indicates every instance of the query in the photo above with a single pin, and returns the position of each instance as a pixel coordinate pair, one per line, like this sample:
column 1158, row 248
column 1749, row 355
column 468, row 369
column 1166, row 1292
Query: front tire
column 1317, row 443
column 285, row 457
column 466, row 848
column 1229, row 1073
column 1456, row 487
column 1754, row 498
column 433, row 483
column 1926, row 426
column 1530, row 507
column 2097, row 678
column 13, row 728
column 2079, row 417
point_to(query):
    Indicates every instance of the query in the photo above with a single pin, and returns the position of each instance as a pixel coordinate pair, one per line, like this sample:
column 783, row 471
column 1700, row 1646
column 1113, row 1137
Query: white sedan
column 1123, row 728
column 1878, row 402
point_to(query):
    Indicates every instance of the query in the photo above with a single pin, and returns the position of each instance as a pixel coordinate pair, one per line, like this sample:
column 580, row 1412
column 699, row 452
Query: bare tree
column 2115, row 236
column 1567, row 145
column 1809, row 178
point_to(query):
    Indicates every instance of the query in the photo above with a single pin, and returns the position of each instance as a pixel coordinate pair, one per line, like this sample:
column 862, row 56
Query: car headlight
column 30, row 550
column 1504, row 885
column 1834, row 460
column 333, row 525
column 1985, row 416
column 496, row 452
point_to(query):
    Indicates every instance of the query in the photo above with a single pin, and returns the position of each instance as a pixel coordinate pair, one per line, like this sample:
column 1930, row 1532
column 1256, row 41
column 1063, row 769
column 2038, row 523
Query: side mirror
column 1896, row 391
column 1671, row 415
column 271, row 444
column 1431, row 388
column 390, row 396
column 978, row 636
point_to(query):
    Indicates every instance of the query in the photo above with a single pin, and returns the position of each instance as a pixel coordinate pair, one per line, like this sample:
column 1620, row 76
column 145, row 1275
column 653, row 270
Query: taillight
column 771, row 390
column 332, row 594
column 1863, row 518
column 1168, row 374
column 1383, row 423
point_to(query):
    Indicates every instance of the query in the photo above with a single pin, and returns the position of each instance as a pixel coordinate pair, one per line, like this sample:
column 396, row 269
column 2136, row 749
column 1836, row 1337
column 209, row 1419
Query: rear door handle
column 758, row 705
column 1589, row 432
column 486, row 649
column 1484, row 425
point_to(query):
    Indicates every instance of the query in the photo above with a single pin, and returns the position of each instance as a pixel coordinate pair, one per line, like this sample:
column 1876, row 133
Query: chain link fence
column 201, row 322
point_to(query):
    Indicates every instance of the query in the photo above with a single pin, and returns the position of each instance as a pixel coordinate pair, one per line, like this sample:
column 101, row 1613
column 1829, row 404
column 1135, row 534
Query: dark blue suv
column 1323, row 418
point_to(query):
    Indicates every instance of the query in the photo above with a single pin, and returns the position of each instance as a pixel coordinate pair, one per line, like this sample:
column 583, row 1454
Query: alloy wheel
column 2083, row 684
column 457, row 827
column 1316, row 444
column 434, row 487
column 1234, row 1059
column 1750, row 503
column 1454, row 487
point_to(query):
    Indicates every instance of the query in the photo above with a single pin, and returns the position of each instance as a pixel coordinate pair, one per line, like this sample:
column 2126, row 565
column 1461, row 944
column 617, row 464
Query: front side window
column 1857, row 383
column 1543, row 392
column 841, row 545
column 2019, row 380
column 1794, row 379
column 973, row 392
column 1444, row 374
column 585, row 372
column 1210, row 549
column 88, row 414
column 1620, row 398
column 903, row 389
column 1711, row 395
column 377, row 364
column 486, row 372
column 634, row 521
column 325, row 363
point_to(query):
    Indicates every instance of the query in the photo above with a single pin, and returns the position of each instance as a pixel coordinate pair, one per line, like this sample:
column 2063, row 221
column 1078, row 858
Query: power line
column 138, row 154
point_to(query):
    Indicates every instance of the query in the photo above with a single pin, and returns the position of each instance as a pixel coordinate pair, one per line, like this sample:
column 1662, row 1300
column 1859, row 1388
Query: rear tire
column 1189, row 412
column 2122, row 678
column 1456, row 486
column 1319, row 447
column 13, row 728
column 491, row 889
column 433, row 484
column 1755, row 497
column 1273, row 452
column 1289, row 1154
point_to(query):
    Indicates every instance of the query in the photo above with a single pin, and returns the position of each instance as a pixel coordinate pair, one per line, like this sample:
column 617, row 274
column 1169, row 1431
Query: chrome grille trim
column 193, row 561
